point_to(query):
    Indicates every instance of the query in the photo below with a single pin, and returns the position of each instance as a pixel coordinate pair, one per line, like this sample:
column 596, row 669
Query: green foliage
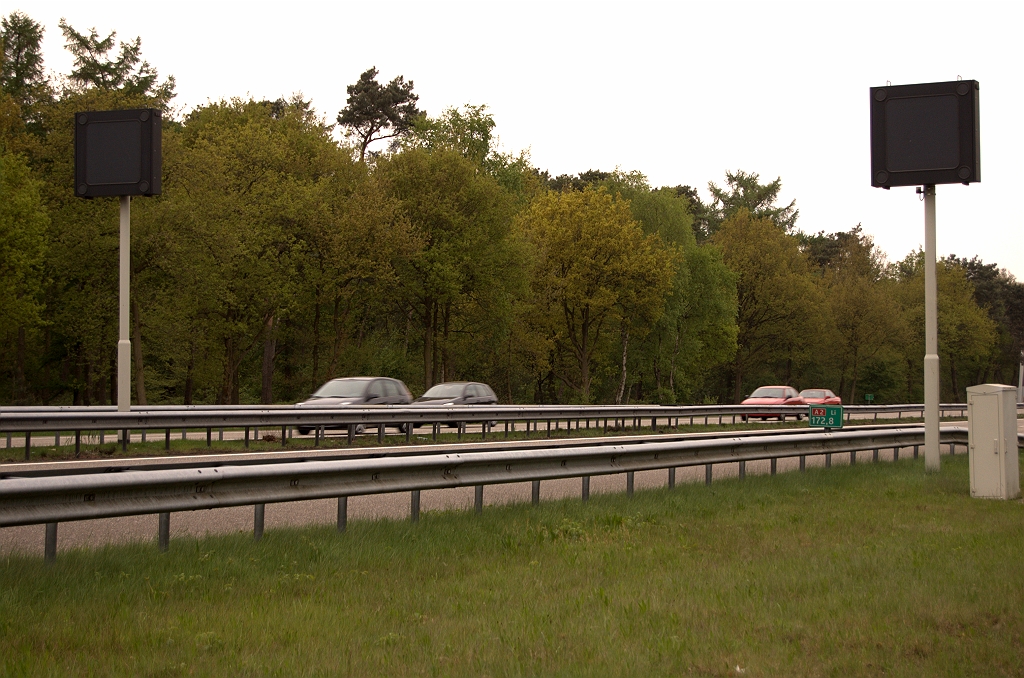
column 374, row 111
column 23, row 223
column 745, row 192
column 95, row 68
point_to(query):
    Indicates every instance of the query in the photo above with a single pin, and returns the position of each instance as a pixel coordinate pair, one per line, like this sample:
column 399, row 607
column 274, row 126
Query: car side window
column 390, row 390
column 488, row 392
column 473, row 391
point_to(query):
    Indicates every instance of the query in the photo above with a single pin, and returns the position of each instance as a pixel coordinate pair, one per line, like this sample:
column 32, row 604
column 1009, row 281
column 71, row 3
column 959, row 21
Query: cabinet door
column 984, row 443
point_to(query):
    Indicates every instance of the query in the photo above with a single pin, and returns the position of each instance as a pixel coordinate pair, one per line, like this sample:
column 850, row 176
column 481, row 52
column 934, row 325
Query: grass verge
column 866, row 570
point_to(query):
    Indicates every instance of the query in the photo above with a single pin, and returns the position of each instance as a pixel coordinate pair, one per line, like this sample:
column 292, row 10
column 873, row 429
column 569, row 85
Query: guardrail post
column 351, row 433
column 585, row 494
column 380, row 433
column 78, row 442
column 506, row 428
column 828, row 460
column 184, row 434
column 8, row 440
column 549, row 428
column 414, row 506
column 284, row 436
column 257, row 521
column 874, row 455
column 606, row 425
column 436, row 427
column 220, row 434
column 629, row 483
column 125, row 435
column 707, row 474
column 803, row 463
column 895, row 454
column 50, row 544
column 247, row 436
column 483, row 430
column 775, row 463
column 28, row 445
column 143, row 435
column 915, row 451
column 209, row 436
column 535, row 494
column 342, row 513
column 167, row 438
column 671, row 477
column 164, row 532
column 408, row 432
column 478, row 499
column 743, row 470
column 853, row 458
column 654, row 424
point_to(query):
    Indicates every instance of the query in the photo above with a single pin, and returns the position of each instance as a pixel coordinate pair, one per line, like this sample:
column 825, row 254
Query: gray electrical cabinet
column 992, row 426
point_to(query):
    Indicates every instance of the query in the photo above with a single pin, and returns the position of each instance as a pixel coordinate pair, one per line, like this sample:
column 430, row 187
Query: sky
column 681, row 91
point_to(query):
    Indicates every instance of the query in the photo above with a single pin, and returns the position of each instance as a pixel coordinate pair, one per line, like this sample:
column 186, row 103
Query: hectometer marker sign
column 825, row 416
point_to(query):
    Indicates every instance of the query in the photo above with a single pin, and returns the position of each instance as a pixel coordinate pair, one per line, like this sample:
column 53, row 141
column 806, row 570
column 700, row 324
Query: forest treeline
column 286, row 250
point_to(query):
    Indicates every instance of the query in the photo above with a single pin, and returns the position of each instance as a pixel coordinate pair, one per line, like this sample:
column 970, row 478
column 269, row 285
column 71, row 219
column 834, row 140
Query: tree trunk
column 428, row 345
column 316, row 341
column 952, row 379
column 140, row 371
column 622, row 376
column 19, row 369
column 189, row 379
column 269, row 349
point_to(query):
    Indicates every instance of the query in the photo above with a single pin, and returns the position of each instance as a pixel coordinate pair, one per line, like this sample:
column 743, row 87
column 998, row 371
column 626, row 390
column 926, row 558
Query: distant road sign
column 825, row 416
column 870, row 397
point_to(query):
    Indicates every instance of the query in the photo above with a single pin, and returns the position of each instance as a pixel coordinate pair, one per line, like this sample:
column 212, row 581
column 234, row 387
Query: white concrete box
column 992, row 426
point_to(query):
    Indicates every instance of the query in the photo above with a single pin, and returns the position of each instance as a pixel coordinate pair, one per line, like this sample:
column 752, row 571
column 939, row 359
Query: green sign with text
column 825, row 416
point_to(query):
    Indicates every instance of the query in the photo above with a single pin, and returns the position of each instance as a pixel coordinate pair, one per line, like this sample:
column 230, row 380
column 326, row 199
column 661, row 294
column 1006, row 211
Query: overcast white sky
column 679, row 91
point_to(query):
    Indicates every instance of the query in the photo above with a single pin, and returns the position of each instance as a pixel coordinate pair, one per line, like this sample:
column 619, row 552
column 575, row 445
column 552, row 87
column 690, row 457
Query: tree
column 21, row 65
column 23, row 222
column 455, row 281
column 592, row 266
column 374, row 112
column 744, row 192
column 128, row 72
column 777, row 298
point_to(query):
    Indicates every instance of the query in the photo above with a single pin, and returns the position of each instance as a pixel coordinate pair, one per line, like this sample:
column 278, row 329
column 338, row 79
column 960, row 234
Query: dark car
column 773, row 395
column 452, row 393
column 357, row 392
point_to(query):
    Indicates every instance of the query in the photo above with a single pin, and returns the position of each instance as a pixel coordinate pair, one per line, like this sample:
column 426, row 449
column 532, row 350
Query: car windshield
column 764, row 392
column 342, row 388
column 444, row 391
column 813, row 394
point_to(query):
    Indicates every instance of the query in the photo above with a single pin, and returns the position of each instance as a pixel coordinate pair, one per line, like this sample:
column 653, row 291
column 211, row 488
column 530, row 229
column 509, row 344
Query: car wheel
column 782, row 417
column 304, row 431
column 799, row 417
column 743, row 417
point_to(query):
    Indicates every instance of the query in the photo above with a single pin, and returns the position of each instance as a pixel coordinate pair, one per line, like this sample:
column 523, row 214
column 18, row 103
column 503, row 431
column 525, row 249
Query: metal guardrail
column 50, row 500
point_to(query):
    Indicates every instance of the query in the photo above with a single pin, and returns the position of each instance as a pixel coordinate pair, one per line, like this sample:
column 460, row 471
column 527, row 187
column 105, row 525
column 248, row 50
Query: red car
column 820, row 396
column 774, row 395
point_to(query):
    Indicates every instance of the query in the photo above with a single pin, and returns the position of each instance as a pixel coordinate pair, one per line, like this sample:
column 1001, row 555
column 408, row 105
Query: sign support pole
column 931, row 337
column 124, row 344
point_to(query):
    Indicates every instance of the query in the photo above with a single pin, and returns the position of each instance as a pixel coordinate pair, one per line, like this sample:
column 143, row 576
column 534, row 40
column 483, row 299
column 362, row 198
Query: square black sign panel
column 925, row 134
column 117, row 153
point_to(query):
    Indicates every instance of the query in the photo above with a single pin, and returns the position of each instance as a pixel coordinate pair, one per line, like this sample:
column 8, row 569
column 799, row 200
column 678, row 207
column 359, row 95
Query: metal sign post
column 124, row 344
column 922, row 135
column 931, row 337
column 119, row 154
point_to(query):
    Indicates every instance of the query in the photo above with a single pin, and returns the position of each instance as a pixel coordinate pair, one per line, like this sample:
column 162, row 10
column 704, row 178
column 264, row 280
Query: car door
column 375, row 393
column 471, row 395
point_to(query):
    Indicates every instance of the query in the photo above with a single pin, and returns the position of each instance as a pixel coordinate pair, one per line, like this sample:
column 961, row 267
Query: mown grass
column 855, row 571
column 154, row 447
